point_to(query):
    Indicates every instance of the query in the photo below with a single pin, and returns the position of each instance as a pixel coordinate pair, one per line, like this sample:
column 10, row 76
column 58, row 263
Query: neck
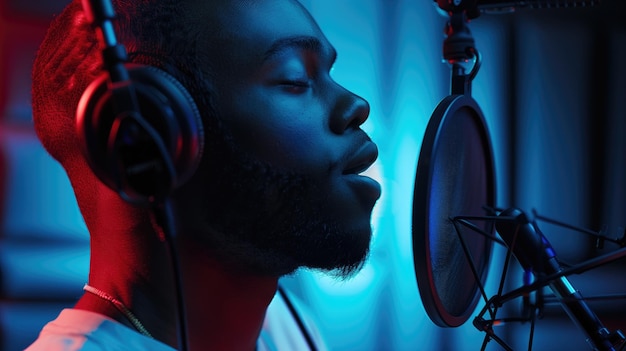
column 233, row 318
column 224, row 309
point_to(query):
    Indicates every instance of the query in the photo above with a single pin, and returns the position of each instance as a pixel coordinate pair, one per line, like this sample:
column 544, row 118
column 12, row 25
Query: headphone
column 141, row 131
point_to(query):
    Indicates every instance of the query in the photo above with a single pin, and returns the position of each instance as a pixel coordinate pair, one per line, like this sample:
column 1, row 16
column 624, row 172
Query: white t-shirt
column 75, row 330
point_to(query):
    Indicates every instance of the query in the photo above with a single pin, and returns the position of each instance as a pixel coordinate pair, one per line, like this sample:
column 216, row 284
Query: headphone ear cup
column 143, row 155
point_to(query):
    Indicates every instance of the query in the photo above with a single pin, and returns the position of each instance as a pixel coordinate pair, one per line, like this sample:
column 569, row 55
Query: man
column 277, row 187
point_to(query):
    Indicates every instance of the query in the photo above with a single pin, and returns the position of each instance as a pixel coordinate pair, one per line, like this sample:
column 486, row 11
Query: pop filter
column 455, row 177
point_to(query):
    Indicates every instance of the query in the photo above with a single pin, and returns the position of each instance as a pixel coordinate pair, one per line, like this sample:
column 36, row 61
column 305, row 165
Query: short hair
column 70, row 58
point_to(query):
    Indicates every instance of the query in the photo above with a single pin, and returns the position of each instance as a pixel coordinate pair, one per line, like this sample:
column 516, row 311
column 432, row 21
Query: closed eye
column 298, row 83
column 295, row 86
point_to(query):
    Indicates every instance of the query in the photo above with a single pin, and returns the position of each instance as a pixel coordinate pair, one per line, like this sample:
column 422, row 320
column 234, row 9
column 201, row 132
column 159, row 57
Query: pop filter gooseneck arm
column 459, row 47
column 100, row 14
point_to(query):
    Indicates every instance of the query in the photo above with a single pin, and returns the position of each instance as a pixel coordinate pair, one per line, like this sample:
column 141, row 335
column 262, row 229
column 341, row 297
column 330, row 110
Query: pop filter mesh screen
column 459, row 183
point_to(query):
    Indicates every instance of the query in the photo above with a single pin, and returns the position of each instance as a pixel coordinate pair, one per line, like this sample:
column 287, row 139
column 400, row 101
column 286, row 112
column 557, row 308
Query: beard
column 262, row 220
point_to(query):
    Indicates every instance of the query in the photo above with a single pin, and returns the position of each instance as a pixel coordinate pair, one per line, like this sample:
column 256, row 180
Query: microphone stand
column 535, row 254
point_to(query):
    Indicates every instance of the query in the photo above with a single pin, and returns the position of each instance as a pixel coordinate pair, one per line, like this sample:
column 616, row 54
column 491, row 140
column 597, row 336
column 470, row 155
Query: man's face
column 282, row 188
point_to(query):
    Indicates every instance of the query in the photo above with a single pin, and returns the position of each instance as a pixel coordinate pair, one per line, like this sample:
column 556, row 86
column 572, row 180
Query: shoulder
column 78, row 330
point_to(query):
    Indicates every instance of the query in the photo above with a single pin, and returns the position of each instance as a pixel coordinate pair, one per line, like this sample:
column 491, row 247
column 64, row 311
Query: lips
column 362, row 159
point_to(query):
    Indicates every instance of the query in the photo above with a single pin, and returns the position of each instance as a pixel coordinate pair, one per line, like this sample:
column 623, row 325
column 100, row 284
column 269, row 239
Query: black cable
column 296, row 316
column 165, row 219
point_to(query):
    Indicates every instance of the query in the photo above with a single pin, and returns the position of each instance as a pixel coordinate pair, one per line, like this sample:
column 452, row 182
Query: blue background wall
column 552, row 88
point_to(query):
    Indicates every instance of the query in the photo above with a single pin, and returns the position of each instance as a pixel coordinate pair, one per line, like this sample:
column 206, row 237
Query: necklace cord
column 120, row 307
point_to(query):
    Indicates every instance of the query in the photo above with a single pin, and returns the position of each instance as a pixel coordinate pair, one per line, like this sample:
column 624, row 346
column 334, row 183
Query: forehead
column 278, row 16
column 247, row 28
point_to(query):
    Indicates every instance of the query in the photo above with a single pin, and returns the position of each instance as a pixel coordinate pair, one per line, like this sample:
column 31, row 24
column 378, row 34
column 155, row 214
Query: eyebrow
column 299, row 42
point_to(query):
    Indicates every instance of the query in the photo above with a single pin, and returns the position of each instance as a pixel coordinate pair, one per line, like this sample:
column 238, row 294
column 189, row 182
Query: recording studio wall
column 43, row 242
column 552, row 88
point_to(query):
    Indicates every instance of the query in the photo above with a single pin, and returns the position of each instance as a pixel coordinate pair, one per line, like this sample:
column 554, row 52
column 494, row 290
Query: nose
column 350, row 112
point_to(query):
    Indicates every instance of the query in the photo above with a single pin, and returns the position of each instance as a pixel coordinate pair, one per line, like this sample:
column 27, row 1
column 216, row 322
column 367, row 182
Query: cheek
column 282, row 132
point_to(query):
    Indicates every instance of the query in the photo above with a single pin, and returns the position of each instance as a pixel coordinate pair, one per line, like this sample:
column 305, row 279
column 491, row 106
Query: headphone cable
column 165, row 219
